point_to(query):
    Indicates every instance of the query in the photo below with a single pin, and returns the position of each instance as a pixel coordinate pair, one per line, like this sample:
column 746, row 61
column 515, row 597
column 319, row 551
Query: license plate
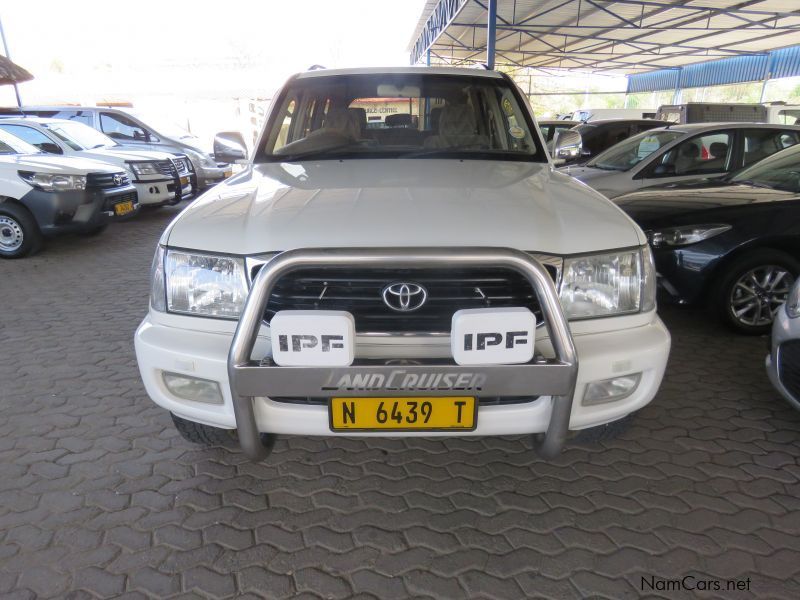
column 184, row 180
column 123, row 208
column 403, row 414
column 228, row 173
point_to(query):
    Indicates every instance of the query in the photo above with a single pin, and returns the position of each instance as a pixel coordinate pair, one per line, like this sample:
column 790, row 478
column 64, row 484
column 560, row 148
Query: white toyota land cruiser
column 422, row 273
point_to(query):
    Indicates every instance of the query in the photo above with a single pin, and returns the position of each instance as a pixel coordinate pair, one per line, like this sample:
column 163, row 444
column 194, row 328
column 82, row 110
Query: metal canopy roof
column 613, row 36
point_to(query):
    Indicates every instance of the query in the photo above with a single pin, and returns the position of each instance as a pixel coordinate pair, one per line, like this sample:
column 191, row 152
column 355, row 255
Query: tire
column 205, row 435
column 603, row 433
column 19, row 233
column 751, row 289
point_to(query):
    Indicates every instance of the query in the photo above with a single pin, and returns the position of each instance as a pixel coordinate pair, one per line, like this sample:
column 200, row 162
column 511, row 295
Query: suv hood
column 402, row 202
column 50, row 163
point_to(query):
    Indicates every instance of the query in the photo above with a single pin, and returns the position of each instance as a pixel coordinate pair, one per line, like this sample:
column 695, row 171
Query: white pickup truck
column 434, row 276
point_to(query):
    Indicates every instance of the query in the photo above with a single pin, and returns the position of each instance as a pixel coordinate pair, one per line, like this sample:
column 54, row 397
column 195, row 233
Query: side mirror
column 50, row 148
column 567, row 146
column 229, row 147
column 664, row 170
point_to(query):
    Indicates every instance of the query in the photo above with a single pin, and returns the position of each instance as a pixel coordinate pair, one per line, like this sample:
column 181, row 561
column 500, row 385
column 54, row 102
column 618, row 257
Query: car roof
column 415, row 70
column 658, row 122
column 27, row 120
column 567, row 122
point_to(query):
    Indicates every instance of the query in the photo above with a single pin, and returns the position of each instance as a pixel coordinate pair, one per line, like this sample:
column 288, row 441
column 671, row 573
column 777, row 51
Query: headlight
column 205, row 285
column 201, row 158
column 616, row 283
column 793, row 301
column 685, row 234
column 145, row 168
column 158, row 290
column 50, row 182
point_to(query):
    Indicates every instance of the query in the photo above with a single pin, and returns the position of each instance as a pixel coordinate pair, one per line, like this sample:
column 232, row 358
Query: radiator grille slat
column 360, row 292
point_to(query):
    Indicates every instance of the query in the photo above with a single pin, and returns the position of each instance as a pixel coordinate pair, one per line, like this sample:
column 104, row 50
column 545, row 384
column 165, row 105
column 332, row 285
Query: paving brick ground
column 99, row 497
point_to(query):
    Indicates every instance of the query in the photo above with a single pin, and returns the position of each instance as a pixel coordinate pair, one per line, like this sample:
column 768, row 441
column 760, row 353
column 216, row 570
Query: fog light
column 193, row 388
column 611, row 390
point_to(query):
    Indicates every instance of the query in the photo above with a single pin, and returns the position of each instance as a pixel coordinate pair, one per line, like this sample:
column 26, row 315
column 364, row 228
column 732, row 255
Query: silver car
column 130, row 129
column 783, row 362
column 682, row 153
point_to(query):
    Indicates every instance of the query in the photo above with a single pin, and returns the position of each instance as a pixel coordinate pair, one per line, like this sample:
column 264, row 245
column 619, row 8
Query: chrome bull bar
column 552, row 377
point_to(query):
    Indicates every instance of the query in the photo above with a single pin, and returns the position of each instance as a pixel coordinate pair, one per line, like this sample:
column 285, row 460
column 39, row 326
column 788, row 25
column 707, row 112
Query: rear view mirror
column 229, row 147
column 567, row 146
column 388, row 90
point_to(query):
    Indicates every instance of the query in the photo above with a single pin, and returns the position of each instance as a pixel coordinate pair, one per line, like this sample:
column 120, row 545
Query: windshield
column 79, row 136
column 780, row 171
column 163, row 125
column 399, row 115
column 10, row 144
column 629, row 153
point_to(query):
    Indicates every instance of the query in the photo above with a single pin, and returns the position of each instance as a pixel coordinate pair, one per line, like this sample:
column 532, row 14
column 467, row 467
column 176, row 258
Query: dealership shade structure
column 662, row 38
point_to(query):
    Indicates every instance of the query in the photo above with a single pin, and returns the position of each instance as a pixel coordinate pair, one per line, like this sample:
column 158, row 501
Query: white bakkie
column 437, row 277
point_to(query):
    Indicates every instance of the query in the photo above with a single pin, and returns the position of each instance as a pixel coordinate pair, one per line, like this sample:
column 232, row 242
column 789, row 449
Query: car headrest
column 360, row 116
column 457, row 119
column 718, row 149
column 398, row 120
column 690, row 151
column 342, row 121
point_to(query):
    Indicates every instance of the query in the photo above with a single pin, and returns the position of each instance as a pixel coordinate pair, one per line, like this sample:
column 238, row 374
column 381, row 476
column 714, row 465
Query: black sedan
column 734, row 243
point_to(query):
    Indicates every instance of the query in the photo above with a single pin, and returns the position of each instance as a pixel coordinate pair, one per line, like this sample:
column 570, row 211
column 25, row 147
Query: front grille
column 789, row 367
column 360, row 293
column 106, row 180
column 181, row 164
column 166, row 167
column 108, row 203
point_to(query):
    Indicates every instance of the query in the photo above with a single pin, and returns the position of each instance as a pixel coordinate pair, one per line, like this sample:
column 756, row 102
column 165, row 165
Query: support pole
column 8, row 56
column 491, row 33
column 676, row 97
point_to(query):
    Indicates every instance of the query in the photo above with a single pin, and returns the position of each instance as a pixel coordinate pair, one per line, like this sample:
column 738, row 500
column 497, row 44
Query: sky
column 82, row 49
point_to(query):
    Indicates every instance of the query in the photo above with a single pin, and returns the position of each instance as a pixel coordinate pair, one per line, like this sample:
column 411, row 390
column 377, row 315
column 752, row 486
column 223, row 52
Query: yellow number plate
column 402, row 414
column 184, row 180
column 228, row 173
column 123, row 208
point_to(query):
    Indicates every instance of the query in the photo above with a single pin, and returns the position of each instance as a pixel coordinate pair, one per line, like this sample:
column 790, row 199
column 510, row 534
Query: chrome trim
column 554, row 377
column 552, row 260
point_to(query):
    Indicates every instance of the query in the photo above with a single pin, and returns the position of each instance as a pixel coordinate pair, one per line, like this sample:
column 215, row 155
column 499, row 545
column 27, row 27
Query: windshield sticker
column 516, row 132
column 507, row 108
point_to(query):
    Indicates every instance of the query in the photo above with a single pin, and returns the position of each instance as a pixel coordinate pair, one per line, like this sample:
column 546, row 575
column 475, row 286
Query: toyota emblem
column 404, row 297
column 117, row 180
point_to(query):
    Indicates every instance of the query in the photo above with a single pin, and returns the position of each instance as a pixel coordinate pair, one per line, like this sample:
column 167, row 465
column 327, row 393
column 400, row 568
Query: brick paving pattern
column 100, row 497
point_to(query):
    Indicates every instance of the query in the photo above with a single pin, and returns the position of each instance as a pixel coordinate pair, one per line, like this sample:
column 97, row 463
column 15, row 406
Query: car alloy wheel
column 758, row 293
column 11, row 234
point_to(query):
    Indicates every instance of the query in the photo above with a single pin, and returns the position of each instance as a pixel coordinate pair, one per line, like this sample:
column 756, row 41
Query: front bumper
column 209, row 176
column 170, row 343
column 76, row 211
column 165, row 191
column 252, row 388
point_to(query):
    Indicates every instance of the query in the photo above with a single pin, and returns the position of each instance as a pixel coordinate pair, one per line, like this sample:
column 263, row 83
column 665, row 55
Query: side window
column 81, row 116
column 760, row 143
column 33, row 137
column 606, row 137
column 709, row 153
column 120, row 127
column 288, row 113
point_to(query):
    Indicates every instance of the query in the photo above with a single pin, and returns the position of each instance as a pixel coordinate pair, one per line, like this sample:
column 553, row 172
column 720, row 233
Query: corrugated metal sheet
column 739, row 69
column 663, row 79
column 785, row 62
